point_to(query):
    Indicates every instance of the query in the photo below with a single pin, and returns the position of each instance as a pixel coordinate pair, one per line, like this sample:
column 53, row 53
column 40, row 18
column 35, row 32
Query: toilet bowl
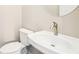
column 17, row 47
column 12, row 48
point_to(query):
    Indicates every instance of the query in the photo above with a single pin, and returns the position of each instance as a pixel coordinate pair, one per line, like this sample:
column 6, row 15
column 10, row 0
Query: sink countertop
column 62, row 46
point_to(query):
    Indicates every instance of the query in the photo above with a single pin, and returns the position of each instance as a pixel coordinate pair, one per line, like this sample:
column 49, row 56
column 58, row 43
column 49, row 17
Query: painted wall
column 10, row 22
column 37, row 18
column 71, row 24
column 34, row 18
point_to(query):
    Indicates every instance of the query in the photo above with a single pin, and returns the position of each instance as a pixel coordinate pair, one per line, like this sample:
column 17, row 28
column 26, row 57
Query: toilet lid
column 11, row 47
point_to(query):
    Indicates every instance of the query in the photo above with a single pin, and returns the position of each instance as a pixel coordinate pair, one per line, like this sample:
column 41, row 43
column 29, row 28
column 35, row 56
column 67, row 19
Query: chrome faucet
column 55, row 28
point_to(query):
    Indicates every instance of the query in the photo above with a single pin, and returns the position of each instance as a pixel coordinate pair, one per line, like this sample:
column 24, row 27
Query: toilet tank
column 23, row 36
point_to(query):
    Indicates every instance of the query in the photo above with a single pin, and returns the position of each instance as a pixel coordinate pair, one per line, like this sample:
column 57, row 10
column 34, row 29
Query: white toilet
column 16, row 47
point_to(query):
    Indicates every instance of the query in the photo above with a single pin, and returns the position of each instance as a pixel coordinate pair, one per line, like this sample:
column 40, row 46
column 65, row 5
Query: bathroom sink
column 48, row 43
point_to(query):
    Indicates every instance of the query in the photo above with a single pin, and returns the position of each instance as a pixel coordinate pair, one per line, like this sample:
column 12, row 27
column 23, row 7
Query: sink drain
column 52, row 45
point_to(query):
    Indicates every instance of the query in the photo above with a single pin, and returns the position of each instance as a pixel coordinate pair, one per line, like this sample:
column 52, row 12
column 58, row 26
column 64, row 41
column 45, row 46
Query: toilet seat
column 11, row 47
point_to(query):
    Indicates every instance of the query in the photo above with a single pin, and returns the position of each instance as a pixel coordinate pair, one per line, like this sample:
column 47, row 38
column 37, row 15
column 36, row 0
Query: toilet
column 17, row 47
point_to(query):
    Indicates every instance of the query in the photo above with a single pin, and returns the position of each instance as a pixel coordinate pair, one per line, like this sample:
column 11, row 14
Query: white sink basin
column 49, row 43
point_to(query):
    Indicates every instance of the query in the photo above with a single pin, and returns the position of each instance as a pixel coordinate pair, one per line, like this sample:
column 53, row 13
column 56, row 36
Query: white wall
column 10, row 22
column 71, row 24
column 35, row 17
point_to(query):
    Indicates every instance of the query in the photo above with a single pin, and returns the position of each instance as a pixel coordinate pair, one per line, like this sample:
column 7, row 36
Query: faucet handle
column 54, row 23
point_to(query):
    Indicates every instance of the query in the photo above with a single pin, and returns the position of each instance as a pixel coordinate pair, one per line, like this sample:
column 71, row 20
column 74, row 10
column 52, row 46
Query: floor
column 30, row 50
